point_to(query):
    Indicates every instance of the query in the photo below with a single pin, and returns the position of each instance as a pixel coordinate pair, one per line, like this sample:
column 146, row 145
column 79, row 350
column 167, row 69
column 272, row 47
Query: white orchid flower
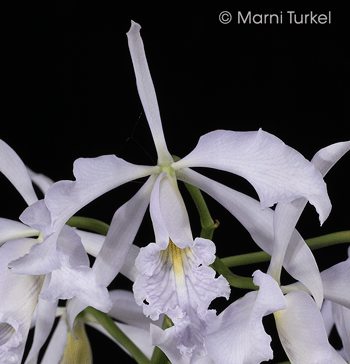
column 21, row 293
column 299, row 323
column 277, row 172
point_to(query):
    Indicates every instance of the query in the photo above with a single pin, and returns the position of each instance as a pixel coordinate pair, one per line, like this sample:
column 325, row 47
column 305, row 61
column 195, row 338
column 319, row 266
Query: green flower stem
column 88, row 223
column 103, row 319
column 208, row 227
column 158, row 357
column 313, row 243
column 233, row 279
column 207, row 223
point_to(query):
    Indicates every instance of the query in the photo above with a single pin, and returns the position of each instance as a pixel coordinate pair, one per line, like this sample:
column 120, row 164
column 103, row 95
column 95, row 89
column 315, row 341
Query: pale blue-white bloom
column 130, row 319
column 299, row 324
column 22, row 293
column 277, row 172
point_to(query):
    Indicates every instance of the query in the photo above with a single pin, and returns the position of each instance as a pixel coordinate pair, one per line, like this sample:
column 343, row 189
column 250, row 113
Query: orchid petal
column 301, row 330
column 241, row 338
column 126, row 310
column 169, row 214
column 111, row 258
column 336, row 283
column 57, row 344
column 326, row 312
column 71, row 244
column 287, row 214
column 94, row 177
column 121, row 234
column 42, row 181
column 45, row 317
column 179, row 283
column 92, row 242
column 277, row 172
column 147, row 92
column 165, row 341
column 68, row 282
column 299, row 260
column 41, row 259
column 19, row 296
column 10, row 230
column 38, row 217
column 326, row 157
column 342, row 321
column 129, row 269
column 336, row 356
column 14, row 169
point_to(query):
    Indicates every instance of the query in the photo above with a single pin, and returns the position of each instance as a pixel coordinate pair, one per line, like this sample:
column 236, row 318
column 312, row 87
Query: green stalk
column 233, row 279
column 158, row 357
column 313, row 243
column 103, row 319
column 88, row 223
column 207, row 223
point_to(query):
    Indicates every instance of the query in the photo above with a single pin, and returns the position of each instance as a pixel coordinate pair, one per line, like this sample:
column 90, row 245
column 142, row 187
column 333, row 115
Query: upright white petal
column 302, row 331
column 169, row 214
column 45, row 317
column 241, row 338
column 113, row 254
column 299, row 260
column 277, row 172
column 14, row 169
column 287, row 214
column 326, row 157
column 121, row 234
column 42, row 181
column 147, row 92
column 336, row 283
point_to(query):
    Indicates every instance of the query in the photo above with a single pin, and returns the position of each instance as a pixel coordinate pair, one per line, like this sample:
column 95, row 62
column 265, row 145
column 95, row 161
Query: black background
column 70, row 92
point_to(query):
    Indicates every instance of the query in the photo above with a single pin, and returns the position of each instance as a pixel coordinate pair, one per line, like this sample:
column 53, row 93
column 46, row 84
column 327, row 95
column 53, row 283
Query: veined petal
column 165, row 341
column 299, row 260
column 14, row 169
column 326, row 157
column 94, row 177
column 68, row 282
column 287, row 214
column 147, row 92
column 241, row 337
column 277, row 172
column 10, row 230
column 41, row 259
column 169, row 214
column 19, row 296
column 179, row 283
column 121, row 234
column 126, row 310
column 342, row 321
column 57, row 344
column 42, row 181
column 336, row 283
column 45, row 317
column 301, row 330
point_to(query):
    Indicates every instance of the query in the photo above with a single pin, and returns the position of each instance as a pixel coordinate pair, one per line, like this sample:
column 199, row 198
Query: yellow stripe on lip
column 176, row 258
